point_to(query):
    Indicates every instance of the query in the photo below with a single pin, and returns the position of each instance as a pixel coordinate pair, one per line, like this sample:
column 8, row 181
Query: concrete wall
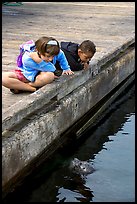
column 40, row 118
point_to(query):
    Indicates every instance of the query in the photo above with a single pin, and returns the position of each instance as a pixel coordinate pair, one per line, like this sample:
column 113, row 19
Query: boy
column 78, row 56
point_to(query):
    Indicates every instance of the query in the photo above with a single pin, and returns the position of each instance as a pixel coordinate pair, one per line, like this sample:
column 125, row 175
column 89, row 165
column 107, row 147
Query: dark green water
column 110, row 148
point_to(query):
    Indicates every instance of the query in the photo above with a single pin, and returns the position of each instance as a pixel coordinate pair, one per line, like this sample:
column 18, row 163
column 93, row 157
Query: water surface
column 110, row 148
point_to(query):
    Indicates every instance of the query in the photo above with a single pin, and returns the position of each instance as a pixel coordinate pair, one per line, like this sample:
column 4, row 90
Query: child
column 38, row 67
column 78, row 56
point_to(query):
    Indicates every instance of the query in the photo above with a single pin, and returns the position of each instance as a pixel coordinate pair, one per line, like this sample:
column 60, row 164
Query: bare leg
column 9, row 80
column 42, row 79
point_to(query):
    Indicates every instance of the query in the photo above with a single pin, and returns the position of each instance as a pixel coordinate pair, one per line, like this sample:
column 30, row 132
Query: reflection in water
column 109, row 147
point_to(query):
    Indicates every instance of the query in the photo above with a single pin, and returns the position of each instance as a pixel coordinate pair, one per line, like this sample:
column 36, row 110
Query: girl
column 38, row 66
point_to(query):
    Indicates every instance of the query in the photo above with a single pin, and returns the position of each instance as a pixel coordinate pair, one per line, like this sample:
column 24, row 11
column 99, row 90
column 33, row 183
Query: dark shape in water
column 81, row 167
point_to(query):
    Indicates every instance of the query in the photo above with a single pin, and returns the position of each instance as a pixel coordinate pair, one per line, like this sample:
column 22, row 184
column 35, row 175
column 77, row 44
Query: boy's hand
column 86, row 65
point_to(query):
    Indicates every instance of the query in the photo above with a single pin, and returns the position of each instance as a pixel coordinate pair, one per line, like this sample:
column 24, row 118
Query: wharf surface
column 107, row 24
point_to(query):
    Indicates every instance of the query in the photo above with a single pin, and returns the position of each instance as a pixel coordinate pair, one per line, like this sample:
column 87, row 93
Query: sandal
column 16, row 91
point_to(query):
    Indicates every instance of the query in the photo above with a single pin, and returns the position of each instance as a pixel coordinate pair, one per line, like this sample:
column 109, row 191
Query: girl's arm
column 35, row 57
column 36, row 63
column 64, row 63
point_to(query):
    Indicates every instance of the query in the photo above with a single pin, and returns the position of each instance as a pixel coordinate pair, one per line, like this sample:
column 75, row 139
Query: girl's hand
column 68, row 72
column 35, row 57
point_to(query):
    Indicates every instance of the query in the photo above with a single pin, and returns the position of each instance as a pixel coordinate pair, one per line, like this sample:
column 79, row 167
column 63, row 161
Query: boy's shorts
column 20, row 75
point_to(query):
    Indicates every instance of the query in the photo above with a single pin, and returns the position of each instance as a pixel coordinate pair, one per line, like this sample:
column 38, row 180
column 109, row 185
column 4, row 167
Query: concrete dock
column 31, row 122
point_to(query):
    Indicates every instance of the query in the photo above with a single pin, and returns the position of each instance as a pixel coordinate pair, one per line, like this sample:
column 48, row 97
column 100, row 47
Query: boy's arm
column 74, row 64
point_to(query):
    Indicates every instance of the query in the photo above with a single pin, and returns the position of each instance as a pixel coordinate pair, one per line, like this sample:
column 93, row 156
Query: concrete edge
column 58, row 89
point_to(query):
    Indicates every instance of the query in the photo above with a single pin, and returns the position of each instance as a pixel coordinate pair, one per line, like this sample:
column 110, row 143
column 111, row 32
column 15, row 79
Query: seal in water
column 81, row 167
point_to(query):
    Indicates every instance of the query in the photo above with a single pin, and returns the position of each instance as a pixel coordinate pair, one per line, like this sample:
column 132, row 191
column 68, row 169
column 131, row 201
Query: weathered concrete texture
column 31, row 122
column 59, row 89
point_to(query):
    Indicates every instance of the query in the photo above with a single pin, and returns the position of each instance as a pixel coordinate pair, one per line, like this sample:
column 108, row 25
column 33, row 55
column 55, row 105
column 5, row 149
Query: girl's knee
column 4, row 78
column 43, row 79
column 47, row 77
column 50, row 75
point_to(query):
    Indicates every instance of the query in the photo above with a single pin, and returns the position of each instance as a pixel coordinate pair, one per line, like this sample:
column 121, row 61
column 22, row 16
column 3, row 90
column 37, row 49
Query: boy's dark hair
column 43, row 46
column 87, row 46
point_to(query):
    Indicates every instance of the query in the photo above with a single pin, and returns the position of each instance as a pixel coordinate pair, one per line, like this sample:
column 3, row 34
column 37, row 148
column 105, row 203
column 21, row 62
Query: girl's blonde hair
column 47, row 45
